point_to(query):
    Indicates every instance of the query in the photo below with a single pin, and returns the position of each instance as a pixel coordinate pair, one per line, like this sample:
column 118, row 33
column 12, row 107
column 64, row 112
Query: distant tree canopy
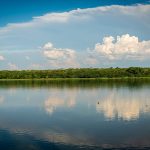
column 77, row 73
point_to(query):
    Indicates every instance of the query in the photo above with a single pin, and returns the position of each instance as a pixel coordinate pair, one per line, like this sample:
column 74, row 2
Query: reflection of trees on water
column 81, row 83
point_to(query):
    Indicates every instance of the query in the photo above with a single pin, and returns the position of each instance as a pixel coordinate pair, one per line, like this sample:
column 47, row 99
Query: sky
column 52, row 34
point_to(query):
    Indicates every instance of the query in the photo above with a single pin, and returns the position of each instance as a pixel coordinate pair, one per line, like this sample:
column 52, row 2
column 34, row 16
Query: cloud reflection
column 54, row 102
column 125, row 107
column 1, row 99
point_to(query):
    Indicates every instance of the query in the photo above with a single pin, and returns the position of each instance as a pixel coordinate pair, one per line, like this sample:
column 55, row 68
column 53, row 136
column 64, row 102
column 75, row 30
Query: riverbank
column 77, row 79
column 78, row 73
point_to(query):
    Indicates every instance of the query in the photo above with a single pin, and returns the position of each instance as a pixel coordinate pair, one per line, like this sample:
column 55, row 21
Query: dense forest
column 77, row 73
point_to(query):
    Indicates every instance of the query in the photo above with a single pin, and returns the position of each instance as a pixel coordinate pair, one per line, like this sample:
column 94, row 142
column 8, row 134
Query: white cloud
column 79, row 29
column 12, row 66
column 2, row 58
column 54, row 17
column 56, row 53
column 27, row 57
column 80, row 15
column 125, row 46
column 48, row 46
column 91, row 60
column 59, row 57
column 35, row 66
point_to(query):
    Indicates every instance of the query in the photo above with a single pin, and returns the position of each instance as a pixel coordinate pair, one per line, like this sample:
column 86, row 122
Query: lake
column 75, row 115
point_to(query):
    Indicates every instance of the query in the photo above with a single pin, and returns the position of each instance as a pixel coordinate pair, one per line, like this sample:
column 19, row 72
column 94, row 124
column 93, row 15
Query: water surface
column 74, row 115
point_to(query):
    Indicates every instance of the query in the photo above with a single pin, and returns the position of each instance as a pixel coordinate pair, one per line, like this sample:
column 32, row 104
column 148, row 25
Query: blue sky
column 58, row 34
column 24, row 10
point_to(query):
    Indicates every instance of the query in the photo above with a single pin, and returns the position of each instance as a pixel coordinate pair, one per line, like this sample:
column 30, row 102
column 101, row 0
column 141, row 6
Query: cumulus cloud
column 55, row 53
column 59, row 57
column 79, row 29
column 2, row 58
column 125, row 46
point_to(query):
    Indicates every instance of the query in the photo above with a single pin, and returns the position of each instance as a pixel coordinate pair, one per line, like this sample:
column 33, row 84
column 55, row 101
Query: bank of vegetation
column 77, row 73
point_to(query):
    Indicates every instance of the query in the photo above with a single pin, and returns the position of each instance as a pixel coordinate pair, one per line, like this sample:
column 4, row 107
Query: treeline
column 77, row 73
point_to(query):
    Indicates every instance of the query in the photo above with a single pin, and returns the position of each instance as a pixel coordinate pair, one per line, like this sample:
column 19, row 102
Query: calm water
column 88, row 115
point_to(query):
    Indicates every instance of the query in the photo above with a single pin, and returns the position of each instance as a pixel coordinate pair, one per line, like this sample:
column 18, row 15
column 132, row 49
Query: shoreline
column 69, row 79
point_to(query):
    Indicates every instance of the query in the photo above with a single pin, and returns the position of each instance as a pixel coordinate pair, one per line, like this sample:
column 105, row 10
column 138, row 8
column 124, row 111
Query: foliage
column 76, row 73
